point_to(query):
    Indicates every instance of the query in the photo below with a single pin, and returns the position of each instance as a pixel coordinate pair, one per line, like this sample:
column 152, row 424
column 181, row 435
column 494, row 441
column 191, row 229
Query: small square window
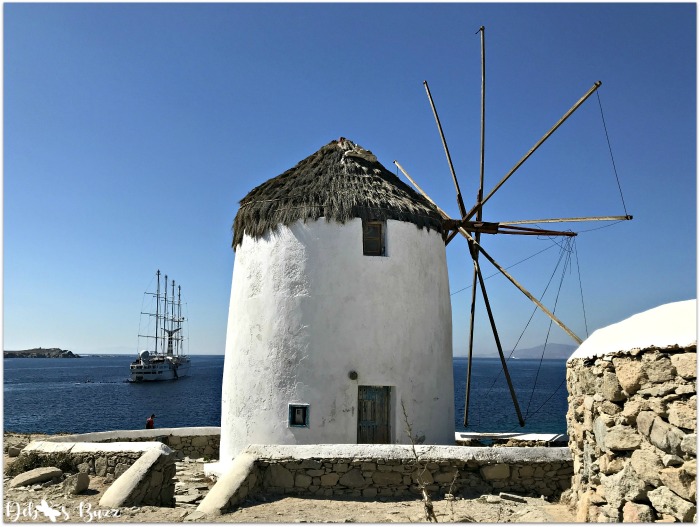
column 299, row 415
column 373, row 238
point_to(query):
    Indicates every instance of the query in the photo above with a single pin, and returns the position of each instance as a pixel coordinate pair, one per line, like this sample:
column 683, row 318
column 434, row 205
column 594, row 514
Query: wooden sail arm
column 522, row 231
column 486, row 227
column 509, row 227
column 460, row 202
column 464, row 233
column 566, row 220
column 479, row 205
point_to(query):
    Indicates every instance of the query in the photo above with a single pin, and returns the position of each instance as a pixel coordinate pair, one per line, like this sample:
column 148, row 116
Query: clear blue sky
column 131, row 131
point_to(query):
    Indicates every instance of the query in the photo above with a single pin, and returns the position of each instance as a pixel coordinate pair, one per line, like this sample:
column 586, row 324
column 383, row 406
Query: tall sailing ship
column 163, row 358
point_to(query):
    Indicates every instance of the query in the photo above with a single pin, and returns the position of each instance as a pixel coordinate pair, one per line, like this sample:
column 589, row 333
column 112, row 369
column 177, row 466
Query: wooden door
column 373, row 414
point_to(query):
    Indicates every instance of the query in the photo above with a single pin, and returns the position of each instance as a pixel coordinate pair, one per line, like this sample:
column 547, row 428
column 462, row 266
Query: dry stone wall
column 153, row 485
column 364, row 471
column 195, row 442
column 632, row 433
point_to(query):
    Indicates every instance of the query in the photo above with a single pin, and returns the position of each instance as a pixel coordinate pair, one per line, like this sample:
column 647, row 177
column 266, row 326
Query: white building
column 340, row 310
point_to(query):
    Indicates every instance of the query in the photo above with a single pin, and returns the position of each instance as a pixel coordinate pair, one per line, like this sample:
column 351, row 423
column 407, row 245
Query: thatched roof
column 340, row 182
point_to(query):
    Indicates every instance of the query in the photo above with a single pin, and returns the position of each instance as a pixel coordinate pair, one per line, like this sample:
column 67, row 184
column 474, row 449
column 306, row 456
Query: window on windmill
column 299, row 415
column 373, row 238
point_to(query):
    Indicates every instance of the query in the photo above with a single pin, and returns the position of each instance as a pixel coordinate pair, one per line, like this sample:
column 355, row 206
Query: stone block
column 645, row 421
column 526, row 471
column 588, row 382
column 686, row 364
column 278, row 476
column 156, row 478
column 426, row 477
column 610, row 465
column 658, row 390
column 302, row 480
column 311, row 464
column 689, row 444
column 679, row 481
column 658, row 368
column 629, row 373
column 690, row 467
column 370, row 492
column 37, row 475
column 669, row 460
column 624, row 486
column 610, row 408
column 76, row 483
column 685, row 389
column 600, row 430
column 387, row 478
column 353, row 478
column 583, row 507
column 637, row 513
column 666, row 437
column 445, row 477
column 667, row 502
column 495, row 472
column 101, row 466
column 200, row 441
column 657, row 405
column 610, row 387
column 682, row 415
column 647, row 464
column 630, row 410
column 622, row 438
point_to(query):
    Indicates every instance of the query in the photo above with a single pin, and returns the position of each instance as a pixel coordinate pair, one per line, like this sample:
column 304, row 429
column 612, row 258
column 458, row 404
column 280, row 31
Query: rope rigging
column 567, row 262
column 568, row 250
column 607, row 137
column 554, row 244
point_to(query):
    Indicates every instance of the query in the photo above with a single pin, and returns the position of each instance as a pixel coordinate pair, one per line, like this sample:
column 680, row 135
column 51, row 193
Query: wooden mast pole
column 474, row 253
column 460, row 201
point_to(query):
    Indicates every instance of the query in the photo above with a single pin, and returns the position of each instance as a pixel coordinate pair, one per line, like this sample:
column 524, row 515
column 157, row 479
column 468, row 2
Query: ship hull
column 160, row 370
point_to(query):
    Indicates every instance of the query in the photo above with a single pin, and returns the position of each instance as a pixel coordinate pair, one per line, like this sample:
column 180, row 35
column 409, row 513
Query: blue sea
column 92, row 394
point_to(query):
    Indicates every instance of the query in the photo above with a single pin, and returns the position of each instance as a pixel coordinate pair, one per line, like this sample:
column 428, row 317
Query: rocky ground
column 20, row 505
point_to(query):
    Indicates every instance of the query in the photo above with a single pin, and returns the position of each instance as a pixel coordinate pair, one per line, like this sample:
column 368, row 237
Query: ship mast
column 165, row 316
column 179, row 319
column 157, row 305
column 173, row 346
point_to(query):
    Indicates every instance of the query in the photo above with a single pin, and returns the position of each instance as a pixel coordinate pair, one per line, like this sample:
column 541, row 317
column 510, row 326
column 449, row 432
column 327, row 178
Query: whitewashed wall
column 307, row 307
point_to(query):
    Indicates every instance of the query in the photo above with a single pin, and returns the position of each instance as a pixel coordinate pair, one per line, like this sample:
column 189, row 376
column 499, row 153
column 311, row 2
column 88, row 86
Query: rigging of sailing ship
column 470, row 225
column 163, row 357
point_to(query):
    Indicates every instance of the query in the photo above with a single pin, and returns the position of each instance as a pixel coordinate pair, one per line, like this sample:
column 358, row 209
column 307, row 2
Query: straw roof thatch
column 340, row 182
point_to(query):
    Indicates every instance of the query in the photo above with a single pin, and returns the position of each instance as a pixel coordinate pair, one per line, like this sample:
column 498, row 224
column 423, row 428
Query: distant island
column 41, row 353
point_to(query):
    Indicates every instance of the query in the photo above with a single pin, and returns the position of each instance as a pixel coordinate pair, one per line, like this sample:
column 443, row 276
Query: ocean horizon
column 92, row 394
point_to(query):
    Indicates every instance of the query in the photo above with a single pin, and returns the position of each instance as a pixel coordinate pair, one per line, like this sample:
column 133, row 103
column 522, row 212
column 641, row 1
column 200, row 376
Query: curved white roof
column 663, row 326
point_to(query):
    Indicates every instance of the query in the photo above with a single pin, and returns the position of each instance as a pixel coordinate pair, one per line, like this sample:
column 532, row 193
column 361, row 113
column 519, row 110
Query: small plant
column 32, row 460
column 427, row 502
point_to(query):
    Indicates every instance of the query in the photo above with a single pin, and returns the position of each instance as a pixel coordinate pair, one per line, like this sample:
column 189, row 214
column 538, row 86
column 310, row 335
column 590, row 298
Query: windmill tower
column 340, row 314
